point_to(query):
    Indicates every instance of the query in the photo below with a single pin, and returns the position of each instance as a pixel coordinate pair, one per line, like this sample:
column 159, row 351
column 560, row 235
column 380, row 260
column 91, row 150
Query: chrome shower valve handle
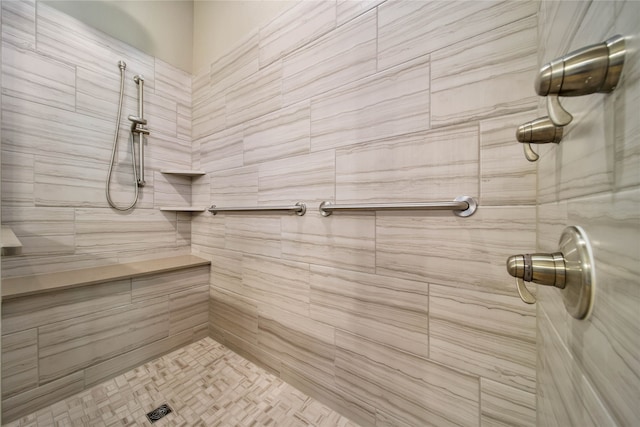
column 571, row 270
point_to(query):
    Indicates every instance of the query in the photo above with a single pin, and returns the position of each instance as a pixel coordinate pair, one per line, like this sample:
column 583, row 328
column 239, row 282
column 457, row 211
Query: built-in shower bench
column 29, row 285
column 64, row 332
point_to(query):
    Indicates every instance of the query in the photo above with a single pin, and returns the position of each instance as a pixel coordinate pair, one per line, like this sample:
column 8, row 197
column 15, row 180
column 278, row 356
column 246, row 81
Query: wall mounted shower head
column 122, row 65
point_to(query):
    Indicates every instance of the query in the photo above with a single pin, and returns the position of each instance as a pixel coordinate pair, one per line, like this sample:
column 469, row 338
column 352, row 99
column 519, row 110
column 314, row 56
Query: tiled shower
column 391, row 319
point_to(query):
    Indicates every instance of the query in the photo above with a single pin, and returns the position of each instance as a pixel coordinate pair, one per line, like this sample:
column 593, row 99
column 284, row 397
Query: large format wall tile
column 222, row 150
column 423, row 167
column 237, row 64
column 233, row 313
column 486, row 76
column 42, row 231
column 71, row 345
column 343, row 241
column 391, row 311
column 98, row 230
column 340, row 57
column 277, row 283
column 36, row 78
column 417, row 391
column 235, row 187
column 504, row 405
column 188, row 309
column 156, row 285
column 492, row 336
column 276, row 135
column 255, row 96
column 17, row 179
column 19, row 362
column 299, row 342
column 258, row 235
column 446, row 249
column 38, row 310
column 506, row 176
column 347, row 9
column 19, row 23
column 171, row 190
column 171, row 82
column 295, row 27
column 391, row 103
column 407, row 30
column 308, row 178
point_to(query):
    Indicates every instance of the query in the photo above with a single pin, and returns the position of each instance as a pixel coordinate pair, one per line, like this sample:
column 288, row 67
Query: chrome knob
column 570, row 270
column 538, row 131
column 592, row 69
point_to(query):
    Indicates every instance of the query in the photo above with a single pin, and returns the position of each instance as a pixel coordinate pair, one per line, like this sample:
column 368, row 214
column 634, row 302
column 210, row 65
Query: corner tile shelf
column 183, row 209
column 183, row 172
column 11, row 245
column 14, row 287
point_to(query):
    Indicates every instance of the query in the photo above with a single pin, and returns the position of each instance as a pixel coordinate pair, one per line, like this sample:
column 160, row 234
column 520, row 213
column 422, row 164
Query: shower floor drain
column 159, row 412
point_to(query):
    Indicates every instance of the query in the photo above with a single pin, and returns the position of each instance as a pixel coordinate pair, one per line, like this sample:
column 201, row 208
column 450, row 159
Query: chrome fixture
column 299, row 209
column 538, row 131
column 122, row 65
column 592, row 69
column 138, row 127
column 571, row 270
column 463, row 206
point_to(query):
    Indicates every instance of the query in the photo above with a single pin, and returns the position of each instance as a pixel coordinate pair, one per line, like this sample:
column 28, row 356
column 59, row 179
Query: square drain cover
column 158, row 413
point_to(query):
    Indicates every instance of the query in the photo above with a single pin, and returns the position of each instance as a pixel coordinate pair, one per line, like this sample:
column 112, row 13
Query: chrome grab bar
column 299, row 209
column 463, row 206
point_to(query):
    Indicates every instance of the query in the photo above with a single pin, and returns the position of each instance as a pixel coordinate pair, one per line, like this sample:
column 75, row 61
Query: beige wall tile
column 19, row 362
column 240, row 62
column 51, row 307
column 208, row 232
column 172, row 82
column 503, row 405
column 171, row 190
column 161, row 113
column 226, row 270
column 309, row 178
column 489, row 335
column 487, row 76
column 407, row 30
column 258, row 235
column 155, row 285
column 568, row 397
column 340, row 57
column 235, row 187
column 19, row 23
column 48, row 394
column 165, row 152
column 208, row 114
column 506, row 176
column 102, row 371
column 294, row 28
column 348, row 9
column 100, row 230
column 17, row 179
column 413, row 389
column 277, row 135
column 34, row 77
column 423, row 167
column 348, row 405
column 183, row 120
column 42, row 231
column 254, row 97
column 298, row 341
column 188, row 309
column 446, row 249
column 276, row 283
column 233, row 313
column 222, row 150
column 393, row 312
column 254, row 353
column 342, row 241
column 391, row 103
column 71, row 345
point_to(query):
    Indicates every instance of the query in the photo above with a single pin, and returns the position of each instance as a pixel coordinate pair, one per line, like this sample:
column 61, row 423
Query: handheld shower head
column 122, row 65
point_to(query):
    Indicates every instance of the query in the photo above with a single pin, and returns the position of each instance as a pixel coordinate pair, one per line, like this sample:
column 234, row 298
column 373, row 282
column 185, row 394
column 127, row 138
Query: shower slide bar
column 299, row 209
column 462, row 206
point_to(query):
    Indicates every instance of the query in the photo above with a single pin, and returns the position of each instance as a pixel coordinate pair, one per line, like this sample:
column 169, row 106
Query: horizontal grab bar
column 299, row 209
column 463, row 206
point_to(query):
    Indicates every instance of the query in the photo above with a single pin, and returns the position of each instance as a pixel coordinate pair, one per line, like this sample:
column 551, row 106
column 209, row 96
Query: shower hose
column 122, row 67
